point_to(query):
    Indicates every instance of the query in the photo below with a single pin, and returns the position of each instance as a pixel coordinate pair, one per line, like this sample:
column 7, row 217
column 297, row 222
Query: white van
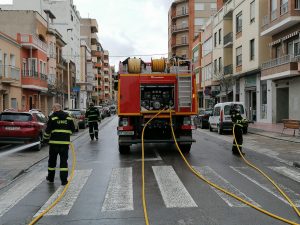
column 221, row 119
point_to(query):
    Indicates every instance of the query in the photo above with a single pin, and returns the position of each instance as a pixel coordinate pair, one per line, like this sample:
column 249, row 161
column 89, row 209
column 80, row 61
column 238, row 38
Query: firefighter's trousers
column 62, row 151
column 93, row 129
column 238, row 130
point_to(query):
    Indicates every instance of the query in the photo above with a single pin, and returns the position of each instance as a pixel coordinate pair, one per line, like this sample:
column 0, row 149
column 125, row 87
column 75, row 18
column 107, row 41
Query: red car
column 22, row 127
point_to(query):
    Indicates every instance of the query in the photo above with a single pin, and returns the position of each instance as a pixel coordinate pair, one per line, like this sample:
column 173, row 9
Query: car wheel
column 39, row 146
column 210, row 128
column 124, row 149
column 201, row 124
column 220, row 131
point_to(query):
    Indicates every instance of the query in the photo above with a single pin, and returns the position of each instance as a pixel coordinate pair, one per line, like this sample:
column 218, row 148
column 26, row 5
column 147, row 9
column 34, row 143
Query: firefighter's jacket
column 238, row 120
column 92, row 114
column 60, row 126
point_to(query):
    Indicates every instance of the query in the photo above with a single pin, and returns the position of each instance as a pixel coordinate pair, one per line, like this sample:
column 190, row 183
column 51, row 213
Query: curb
column 269, row 136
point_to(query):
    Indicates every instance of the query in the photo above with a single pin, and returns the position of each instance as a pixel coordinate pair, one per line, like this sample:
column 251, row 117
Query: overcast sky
column 129, row 27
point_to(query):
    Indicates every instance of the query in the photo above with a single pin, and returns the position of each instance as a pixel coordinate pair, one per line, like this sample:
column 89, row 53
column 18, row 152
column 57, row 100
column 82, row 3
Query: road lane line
column 211, row 175
column 119, row 195
column 172, row 189
column 22, row 187
column 68, row 200
column 294, row 175
column 272, row 190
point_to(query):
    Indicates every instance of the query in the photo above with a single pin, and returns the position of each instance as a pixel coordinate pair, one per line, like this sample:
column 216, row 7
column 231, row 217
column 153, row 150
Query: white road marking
column 119, row 195
column 220, row 181
column 173, row 191
column 68, row 200
column 295, row 197
column 294, row 175
column 15, row 194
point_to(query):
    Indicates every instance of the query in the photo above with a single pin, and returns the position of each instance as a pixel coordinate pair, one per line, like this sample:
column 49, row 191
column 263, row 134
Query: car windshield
column 227, row 109
column 208, row 111
column 15, row 117
column 75, row 112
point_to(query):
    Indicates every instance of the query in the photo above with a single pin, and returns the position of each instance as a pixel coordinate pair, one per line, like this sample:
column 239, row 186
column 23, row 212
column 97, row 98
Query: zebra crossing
column 120, row 188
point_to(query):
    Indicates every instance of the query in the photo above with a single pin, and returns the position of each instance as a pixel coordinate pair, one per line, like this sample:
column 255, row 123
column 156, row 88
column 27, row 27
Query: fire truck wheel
column 124, row 149
column 185, row 148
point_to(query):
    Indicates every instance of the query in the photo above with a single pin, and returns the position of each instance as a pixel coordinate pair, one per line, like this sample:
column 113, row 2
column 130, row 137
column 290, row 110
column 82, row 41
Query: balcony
column 280, row 19
column 180, row 13
column 98, row 65
column 96, row 53
column 180, row 44
column 9, row 74
column 94, row 26
column 228, row 40
column 180, row 28
column 31, row 41
column 34, row 81
column 228, row 70
column 94, row 39
column 228, row 8
column 281, row 67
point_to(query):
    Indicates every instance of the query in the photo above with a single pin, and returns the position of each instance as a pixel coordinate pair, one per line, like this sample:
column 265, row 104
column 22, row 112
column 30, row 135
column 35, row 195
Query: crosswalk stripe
column 211, row 175
column 172, row 189
column 119, row 195
column 67, row 202
column 295, row 197
column 23, row 187
column 294, row 175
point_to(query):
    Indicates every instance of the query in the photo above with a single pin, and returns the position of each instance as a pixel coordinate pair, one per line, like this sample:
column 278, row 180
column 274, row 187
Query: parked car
column 22, row 127
column 113, row 109
column 100, row 108
column 106, row 111
column 75, row 119
column 201, row 120
column 221, row 119
column 80, row 115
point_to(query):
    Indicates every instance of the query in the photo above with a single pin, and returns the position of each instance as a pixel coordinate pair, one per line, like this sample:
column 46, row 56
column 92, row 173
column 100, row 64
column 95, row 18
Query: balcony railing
column 228, row 69
column 280, row 61
column 180, row 27
column 9, row 72
column 284, row 8
column 32, row 39
column 44, row 76
column 180, row 13
column 30, row 73
column 228, row 39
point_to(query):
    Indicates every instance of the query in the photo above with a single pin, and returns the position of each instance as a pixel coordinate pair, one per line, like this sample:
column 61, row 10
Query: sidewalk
column 274, row 131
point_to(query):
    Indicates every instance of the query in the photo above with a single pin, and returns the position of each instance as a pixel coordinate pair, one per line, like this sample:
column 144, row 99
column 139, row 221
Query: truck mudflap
column 181, row 140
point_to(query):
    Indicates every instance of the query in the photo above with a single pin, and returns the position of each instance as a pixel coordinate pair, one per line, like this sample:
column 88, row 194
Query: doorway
column 282, row 104
column 30, row 102
column 251, row 105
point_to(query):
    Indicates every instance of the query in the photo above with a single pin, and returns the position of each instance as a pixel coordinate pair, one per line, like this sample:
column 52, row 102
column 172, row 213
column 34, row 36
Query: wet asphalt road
column 108, row 190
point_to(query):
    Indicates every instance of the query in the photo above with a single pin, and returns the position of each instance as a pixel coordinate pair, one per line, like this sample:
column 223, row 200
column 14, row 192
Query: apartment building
column 107, row 78
column 280, row 75
column 67, row 23
column 196, row 60
column 239, row 50
column 186, row 18
column 88, row 34
column 32, row 36
column 10, row 76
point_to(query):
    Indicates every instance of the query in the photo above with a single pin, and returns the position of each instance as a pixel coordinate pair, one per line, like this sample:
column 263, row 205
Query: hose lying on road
column 36, row 219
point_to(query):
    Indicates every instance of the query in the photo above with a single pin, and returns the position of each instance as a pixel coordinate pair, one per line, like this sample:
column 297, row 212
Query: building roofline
column 9, row 38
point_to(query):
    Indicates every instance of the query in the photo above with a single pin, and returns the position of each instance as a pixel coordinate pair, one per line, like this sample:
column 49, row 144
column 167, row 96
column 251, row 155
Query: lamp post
column 68, row 64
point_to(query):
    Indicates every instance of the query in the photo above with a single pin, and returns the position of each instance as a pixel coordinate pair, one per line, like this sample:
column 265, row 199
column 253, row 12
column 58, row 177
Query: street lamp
column 68, row 63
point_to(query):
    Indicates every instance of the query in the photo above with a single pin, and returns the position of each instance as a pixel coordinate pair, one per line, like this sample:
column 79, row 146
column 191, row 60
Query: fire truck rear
column 147, row 88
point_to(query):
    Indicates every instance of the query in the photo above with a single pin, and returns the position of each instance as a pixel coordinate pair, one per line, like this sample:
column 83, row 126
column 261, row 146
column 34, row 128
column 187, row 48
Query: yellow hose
column 143, row 169
column 265, row 175
column 223, row 190
column 36, row 219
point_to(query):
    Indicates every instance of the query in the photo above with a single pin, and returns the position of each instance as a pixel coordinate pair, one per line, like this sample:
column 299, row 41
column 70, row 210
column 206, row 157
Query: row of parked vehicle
column 218, row 118
column 27, row 127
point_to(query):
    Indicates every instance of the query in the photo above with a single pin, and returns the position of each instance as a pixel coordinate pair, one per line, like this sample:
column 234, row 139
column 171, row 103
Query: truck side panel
column 129, row 94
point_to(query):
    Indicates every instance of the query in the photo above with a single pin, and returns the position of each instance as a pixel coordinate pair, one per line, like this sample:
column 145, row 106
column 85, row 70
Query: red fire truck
column 145, row 89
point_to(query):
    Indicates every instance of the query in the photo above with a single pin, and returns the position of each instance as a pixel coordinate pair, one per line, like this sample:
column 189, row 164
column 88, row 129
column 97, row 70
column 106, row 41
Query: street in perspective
column 170, row 112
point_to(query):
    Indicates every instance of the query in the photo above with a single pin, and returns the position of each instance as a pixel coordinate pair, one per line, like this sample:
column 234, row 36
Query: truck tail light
column 187, row 124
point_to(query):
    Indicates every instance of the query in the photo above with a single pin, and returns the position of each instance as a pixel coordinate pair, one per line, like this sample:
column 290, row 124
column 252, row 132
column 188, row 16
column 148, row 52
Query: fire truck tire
column 185, row 148
column 124, row 149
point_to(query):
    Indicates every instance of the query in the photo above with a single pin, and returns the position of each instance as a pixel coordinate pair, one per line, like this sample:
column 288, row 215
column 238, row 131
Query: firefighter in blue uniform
column 93, row 116
column 59, row 129
column 238, row 123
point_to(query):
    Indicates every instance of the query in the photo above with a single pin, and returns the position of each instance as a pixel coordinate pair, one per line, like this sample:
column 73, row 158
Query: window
column 213, row 6
column 297, row 4
column 199, row 21
column 239, row 22
column 252, row 49
column 217, row 111
column 252, row 12
column 293, row 48
column 14, row 103
column 183, row 39
column 199, row 6
column 220, row 65
column 239, row 56
column 273, row 9
column 215, row 40
column 264, row 100
column 0, row 63
column 215, row 66
column 277, row 51
column 5, row 65
column 207, row 47
column 220, row 36
column 284, row 7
